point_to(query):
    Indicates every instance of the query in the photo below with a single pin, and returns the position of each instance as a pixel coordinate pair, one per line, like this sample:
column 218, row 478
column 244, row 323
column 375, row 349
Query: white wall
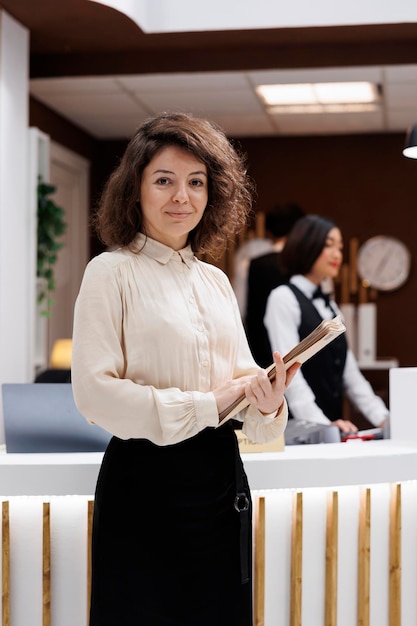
column 157, row 16
column 402, row 403
column 16, row 229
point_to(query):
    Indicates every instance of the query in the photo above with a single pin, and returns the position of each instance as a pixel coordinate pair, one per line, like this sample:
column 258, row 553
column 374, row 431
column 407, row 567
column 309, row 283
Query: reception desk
column 297, row 467
column 335, row 530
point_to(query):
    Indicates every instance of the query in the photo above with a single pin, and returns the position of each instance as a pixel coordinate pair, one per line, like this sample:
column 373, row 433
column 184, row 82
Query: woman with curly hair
column 159, row 351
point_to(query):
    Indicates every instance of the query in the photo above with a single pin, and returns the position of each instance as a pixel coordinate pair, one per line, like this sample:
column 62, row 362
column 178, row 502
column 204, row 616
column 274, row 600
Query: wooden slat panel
column 364, row 557
column 331, row 559
column 296, row 560
column 5, row 565
column 46, row 565
column 260, row 225
column 395, row 557
column 90, row 509
column 353, row 264
column 344, row 284
column 259, row 582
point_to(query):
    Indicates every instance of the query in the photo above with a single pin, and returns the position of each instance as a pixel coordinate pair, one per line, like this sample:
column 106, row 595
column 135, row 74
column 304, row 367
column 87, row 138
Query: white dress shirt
column 154, row 333
column 243, row 256
column 282, row 320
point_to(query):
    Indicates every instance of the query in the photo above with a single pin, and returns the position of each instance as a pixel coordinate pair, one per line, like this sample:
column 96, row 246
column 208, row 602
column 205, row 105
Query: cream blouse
column 155, row 330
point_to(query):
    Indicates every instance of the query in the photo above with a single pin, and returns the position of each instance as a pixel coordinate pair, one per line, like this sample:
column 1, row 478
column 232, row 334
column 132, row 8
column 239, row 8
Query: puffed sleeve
column 263, row 428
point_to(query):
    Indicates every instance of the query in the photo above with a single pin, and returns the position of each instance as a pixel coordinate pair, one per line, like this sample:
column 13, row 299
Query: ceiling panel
column 111, row 127
column 340, row 123
column 95, row 84
column 72, row 105
column 112, row 107
column 316, row 75
column 401, row 95
column 189, row 81
column 242, row 125
column 398, row 120
column 210, row 102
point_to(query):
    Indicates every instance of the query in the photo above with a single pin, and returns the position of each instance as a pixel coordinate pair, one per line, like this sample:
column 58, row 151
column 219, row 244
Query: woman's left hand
column 268, row 396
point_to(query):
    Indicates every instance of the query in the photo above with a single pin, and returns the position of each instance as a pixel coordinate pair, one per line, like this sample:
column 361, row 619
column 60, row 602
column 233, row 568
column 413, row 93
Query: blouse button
column 204, row 363
column 200, row 329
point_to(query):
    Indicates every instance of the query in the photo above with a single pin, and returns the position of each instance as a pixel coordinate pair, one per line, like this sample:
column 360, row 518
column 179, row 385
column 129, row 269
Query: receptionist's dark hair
column 305, row 243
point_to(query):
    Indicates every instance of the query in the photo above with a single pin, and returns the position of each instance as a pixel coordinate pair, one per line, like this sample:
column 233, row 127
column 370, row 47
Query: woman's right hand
column 266, row 395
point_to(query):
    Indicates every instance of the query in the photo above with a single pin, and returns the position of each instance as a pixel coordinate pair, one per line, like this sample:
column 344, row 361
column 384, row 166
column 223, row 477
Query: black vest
column 323, row 371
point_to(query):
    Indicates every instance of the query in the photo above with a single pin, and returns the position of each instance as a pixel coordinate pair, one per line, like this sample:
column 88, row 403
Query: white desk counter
column 329, row 465
column 49, row 474
column 321, row 465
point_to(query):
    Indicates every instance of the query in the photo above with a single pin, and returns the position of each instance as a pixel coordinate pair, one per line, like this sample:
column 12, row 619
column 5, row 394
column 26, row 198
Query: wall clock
column 384, row 263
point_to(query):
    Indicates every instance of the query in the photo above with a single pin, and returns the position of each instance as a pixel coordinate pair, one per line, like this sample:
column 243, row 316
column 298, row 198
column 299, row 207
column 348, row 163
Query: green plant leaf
column 51, row 226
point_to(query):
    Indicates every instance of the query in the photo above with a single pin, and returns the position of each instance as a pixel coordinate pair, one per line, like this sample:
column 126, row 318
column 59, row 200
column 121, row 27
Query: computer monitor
column 42, row 417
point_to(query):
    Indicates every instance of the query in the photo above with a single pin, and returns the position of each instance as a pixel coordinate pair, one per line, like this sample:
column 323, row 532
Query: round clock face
column 384, row 263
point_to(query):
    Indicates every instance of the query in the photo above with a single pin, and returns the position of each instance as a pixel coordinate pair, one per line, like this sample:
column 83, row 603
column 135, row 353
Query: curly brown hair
column 119, row 217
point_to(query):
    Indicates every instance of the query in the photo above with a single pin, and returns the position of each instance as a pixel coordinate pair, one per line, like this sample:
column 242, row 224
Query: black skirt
column 167, row 539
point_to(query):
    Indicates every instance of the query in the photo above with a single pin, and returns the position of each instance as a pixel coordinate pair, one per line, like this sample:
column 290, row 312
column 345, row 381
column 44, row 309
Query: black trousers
column 166, row 535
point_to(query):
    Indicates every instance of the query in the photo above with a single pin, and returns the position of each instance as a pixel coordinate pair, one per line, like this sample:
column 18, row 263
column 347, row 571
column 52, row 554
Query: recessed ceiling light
column 294, row 109
column 343, row 93
column 319, row 93
column 287, row 94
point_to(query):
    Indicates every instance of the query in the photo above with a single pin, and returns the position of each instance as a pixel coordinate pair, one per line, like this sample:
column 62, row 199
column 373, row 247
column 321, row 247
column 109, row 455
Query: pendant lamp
column 410, row 148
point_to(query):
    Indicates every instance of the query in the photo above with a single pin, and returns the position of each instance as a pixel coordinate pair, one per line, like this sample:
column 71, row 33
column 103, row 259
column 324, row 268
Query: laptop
column 42, row 417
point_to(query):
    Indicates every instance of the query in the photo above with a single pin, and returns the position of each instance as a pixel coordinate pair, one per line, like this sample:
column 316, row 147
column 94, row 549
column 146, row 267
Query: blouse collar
column 160, row 252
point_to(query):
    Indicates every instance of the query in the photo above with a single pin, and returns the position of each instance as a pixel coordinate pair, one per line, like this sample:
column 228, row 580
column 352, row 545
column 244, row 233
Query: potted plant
column 51, row 226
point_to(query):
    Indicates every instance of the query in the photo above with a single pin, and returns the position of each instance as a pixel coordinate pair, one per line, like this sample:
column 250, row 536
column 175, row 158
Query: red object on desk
column 364, row 435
